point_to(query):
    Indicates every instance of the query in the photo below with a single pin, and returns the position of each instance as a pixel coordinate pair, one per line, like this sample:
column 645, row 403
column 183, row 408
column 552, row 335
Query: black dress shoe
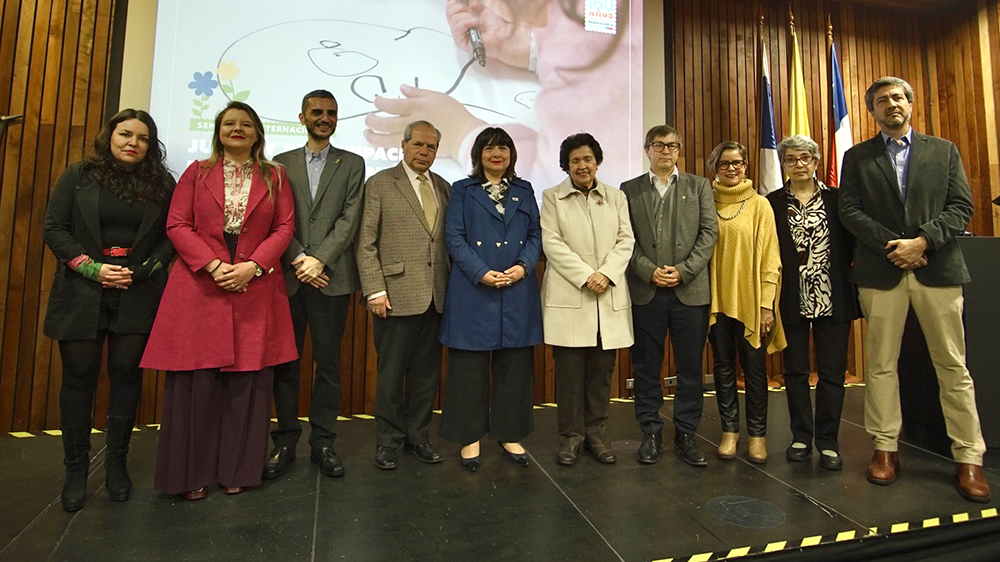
column 601, row 452
column 797, row 454
column 520, row 459
column 385, row 458
column 567, row 455
column 328, row 461
column 278, row 462
column 831, row 462
column 687, row 449
column 472, row 464
column 649, row 450
column 424, row 452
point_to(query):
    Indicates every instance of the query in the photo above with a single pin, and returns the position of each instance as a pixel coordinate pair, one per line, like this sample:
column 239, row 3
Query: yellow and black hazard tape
column 844, row 536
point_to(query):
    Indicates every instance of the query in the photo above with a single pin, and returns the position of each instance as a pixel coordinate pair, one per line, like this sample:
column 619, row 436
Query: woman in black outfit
column 106, row 226
column 816, row 292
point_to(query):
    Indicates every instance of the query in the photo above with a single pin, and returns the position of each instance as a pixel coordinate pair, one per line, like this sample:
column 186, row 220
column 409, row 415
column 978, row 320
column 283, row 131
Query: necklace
column 743, row 204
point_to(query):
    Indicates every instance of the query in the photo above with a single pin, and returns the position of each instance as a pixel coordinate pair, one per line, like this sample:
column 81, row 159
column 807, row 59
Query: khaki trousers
column 939, row 311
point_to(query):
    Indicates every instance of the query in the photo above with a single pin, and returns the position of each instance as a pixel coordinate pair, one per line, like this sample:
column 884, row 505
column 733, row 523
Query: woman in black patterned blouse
column 816, row 291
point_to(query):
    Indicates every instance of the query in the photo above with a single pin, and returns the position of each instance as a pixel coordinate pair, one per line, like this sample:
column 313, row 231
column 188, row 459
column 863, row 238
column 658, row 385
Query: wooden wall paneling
column 729, row 69
column 359, row 330
column 62, row 47
column 973, row 135
column 13, row 342
column 38, row 257
column 8, row 197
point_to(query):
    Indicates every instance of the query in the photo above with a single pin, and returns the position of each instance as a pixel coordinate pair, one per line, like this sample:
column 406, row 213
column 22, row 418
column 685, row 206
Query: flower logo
column 227, row 71
column 203, row 84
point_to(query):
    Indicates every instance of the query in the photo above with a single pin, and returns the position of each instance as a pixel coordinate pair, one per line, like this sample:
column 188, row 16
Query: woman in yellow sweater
column 745, row 281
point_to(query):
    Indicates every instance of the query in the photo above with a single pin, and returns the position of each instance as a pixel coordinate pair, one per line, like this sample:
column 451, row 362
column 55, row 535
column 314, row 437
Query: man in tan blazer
column 403, row 263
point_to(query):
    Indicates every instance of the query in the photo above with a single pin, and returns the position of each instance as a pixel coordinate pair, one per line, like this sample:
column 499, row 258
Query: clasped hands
column 114, row 276
column 233, row 278
column 507, row 277
column 666, row 276
column 309, row 270
column 907, row 253
column 598, row 282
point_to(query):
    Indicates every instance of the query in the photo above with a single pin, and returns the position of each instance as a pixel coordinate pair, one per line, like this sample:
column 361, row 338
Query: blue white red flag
column 769, row 178
column 842, row 139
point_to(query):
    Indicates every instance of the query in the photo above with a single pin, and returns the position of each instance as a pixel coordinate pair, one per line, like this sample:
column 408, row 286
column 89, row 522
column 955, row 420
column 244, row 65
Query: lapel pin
column 479, row 242
column 498, row 244
column 514, row 199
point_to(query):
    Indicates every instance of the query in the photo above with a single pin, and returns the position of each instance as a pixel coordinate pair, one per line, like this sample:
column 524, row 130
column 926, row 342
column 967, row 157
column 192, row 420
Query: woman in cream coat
column 586, row 312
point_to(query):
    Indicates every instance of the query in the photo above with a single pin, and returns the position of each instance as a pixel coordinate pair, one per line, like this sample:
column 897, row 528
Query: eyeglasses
column 805, row 160
column 735, row 164
column 659, row 146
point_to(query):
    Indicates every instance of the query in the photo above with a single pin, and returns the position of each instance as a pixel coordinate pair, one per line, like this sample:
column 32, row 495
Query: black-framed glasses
column 805, row 160
column 670, row 146
column 735, row 164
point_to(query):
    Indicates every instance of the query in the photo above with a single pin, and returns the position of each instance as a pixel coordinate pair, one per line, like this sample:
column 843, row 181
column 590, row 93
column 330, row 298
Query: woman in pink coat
column 223, row 322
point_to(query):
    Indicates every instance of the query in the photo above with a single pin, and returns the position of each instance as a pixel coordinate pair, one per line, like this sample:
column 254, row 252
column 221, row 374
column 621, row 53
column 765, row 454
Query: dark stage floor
column 591, row 511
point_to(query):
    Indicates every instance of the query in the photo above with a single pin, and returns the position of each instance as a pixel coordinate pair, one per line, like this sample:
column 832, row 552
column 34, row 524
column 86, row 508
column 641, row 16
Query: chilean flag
column 842, row 139
column 770, row 169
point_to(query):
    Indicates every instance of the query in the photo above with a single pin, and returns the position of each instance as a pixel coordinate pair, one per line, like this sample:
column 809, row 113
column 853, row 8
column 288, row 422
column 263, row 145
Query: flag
column 770, row 170
column 798, row 114
column 842, row 139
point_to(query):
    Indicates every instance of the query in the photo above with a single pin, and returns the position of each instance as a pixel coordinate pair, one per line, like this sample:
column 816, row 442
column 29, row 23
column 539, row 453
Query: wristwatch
column 258, row 271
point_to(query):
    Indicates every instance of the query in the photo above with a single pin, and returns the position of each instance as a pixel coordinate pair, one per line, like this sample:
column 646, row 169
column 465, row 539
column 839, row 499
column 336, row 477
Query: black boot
column 116, row 478
column 76, row 448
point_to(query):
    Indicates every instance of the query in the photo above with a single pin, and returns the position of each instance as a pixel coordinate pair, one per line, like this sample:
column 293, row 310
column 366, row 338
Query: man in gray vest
column 673, row 218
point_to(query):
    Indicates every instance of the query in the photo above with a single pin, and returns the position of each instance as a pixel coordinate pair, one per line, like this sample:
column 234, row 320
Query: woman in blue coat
column 492, row 314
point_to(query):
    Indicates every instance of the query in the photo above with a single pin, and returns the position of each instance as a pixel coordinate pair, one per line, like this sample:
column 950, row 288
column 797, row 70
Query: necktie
column 428, row 200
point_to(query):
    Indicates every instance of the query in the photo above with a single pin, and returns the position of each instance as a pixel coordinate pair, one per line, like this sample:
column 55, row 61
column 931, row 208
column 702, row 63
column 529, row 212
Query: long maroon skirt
column 214, row 429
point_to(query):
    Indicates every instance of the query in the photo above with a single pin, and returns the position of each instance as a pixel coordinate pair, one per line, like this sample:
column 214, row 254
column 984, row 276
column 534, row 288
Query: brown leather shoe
column 883, row 468
column 567, row 455
column 971, row 484
column 601, row 452
column 727, row 449
column 757, row 451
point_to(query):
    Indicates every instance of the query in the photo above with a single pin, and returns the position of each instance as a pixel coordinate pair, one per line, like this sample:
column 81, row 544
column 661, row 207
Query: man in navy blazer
column 320, row 275
column 905, row 198
column 673, row 218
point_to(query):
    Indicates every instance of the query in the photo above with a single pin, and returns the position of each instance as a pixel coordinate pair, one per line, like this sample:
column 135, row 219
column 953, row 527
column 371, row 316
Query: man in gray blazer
column 320, row 275
column 673, row 218
column 403, row 263
column 905, row 198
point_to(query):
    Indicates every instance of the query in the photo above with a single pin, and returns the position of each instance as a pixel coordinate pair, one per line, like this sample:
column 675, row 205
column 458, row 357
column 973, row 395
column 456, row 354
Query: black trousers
column 688, row 328
column 583, row 392
column 325, row 316
column 409, row 374
column 830, row 339
column 726, row 337
column 469, row 412
column 81, row 364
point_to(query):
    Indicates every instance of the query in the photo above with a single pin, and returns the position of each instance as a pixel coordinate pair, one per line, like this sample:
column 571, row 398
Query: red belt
column 116, row 252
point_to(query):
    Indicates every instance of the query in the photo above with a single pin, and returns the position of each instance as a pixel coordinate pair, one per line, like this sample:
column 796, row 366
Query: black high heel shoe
column 471, row 464
column 520, row 459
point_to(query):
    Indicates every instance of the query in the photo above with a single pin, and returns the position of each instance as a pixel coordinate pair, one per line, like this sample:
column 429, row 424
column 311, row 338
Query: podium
column 923, row 422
